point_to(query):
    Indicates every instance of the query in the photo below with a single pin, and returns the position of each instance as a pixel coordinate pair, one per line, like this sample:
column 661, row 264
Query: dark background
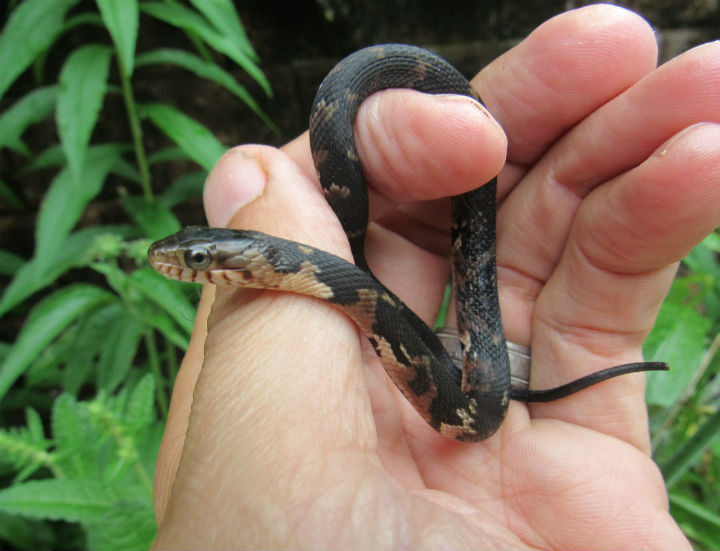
column 298, row 41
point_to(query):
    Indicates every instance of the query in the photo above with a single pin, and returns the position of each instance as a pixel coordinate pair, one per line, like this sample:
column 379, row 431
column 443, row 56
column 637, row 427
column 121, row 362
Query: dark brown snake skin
column 467, row 407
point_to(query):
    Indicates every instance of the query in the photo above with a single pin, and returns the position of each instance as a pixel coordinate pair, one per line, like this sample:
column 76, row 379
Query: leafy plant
column 115, row 344
column 685, row 402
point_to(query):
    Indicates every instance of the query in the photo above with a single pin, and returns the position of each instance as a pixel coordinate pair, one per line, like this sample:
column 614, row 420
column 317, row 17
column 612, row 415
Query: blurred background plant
column 96, row 162
column 84, row 387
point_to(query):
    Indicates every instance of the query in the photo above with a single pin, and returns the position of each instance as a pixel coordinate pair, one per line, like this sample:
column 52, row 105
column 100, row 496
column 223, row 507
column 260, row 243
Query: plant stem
column 154, row 360
column 136, row 131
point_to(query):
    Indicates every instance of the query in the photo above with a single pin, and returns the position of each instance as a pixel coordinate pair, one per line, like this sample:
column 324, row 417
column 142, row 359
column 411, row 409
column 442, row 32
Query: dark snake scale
column 468, row 406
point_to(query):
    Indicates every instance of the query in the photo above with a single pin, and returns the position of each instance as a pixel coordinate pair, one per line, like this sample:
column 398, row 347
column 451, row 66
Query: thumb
column 260, row 408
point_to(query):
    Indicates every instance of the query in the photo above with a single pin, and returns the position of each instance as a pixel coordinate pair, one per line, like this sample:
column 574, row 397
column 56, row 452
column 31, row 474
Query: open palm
column 291, row 435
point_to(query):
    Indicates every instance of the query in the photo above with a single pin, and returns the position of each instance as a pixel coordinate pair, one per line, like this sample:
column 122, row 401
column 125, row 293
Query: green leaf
column 166, row 294
column 39, row 273
column 126, row 525
column 140, row 409
column 83, row 82
column 194, row 139
column 120, row 345
column 184, row 187
column 64, row 202
column 697, row 521
column 689, row 453
column 45, row 322
column 169, row 329
column 31, row 108
column 52, row 157
column 30, row 30
column 224, row 17
column 121, row 19
column 59, row 499
column 678, row 338
column 23, row 533
column 155, row 219
column 204, row 69
column 180, row 16
column 75, row 438
column 10, row 262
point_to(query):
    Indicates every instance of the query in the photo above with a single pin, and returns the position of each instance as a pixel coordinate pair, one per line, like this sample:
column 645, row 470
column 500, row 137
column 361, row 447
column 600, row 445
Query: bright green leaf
column 31, row 108
column 167, row 294
column 64, row 202
column 678, row 338
column 35, row 275
column 194, row 138
column 205, row 69
column 180, row 16
column 121, row 19
column 155, row 219
column 120, row 345
column 224, row 17
column 45, row 322
column 83, row 82
column 30, row 30
column 126, row 525
column 69, row 500
column 163, row 323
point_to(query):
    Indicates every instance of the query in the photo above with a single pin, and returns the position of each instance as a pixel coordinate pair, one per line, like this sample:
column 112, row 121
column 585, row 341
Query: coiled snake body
column 469, row 407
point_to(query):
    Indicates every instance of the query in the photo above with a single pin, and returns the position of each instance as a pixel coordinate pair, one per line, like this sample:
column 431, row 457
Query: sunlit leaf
column 46, row 321
column 121, row 19
column 30, row 30
column 83, row 82
column 195, row 139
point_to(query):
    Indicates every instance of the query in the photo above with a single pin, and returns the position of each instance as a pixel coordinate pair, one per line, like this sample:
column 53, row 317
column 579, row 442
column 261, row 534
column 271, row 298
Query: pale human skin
column 296, row 438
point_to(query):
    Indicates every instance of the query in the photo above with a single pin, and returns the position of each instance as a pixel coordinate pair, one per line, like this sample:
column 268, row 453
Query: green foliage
column 685, row 402
column 95, row 360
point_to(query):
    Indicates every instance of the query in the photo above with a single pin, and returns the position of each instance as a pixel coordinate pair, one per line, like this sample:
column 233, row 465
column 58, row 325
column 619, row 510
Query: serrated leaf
column 76, row 443
column 59, row 499
column 194, row 138
column 36, row 274
column 166, row 294
column 120, row 346
column 83, row 83
column 31, row 108
column 45, row 322
column 140, row 412
column 64, row 202
column 205, row 69
column 155, row 219
column 126, row 525
column 121, row 19
column 30, row 30
column 224, row 17
column 180, row 16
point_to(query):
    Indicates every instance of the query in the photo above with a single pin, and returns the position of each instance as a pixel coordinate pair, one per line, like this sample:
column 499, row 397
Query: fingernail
column 237, row 179
column 473, row 107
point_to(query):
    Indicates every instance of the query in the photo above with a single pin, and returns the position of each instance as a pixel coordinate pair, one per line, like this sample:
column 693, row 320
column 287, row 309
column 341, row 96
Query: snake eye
column 198, row 258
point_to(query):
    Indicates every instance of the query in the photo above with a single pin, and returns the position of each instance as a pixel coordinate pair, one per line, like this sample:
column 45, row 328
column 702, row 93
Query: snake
column 467, row 404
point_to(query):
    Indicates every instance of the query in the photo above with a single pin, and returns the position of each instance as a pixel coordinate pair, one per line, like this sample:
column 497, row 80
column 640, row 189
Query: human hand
column 296, row 437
